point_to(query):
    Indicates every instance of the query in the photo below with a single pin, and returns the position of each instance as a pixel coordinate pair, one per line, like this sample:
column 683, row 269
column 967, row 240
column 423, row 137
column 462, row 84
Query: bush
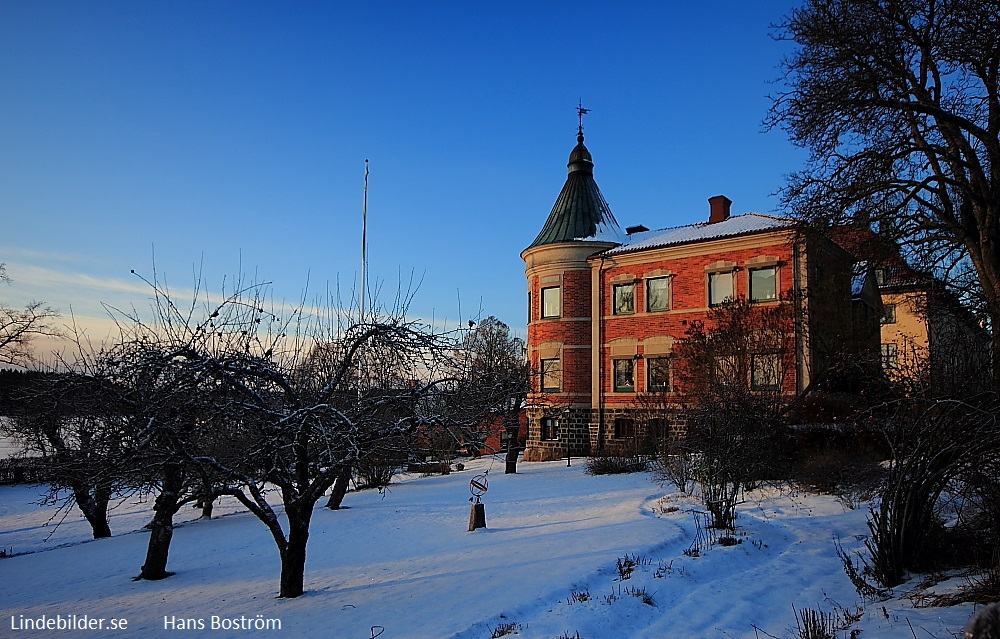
column 375, row 471
column 614, row 464
column 429, row 468
column 676, row 464
column 840, row 461
column 939, row 444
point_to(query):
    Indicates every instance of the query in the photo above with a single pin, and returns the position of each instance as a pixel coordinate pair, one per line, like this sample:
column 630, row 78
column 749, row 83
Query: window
column 880, row 276
column 765, row 371
column 624, row 428
column 763, row 284
column 725, row 370
column 658, row 375
column 624, row 375
column 720, row 288
column 657, row 294
column 529, row 307
column 550, row 302
column 551, row 375
column 549, row 428
column 889, row 358
column 888, row 314
column 624, row 298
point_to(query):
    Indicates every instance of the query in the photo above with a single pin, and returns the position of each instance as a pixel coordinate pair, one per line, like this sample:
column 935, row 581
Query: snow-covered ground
column 403, row 566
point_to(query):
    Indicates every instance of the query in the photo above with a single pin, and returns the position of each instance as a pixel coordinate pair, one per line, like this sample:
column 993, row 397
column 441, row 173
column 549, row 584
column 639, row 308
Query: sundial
column 478, row 486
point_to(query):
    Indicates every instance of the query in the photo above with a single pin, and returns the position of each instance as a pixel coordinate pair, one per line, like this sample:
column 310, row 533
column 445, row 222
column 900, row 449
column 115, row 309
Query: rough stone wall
column 574, row 434
column 580, row 433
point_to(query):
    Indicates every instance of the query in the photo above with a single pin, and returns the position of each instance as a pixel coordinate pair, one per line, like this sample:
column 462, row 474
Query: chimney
column 719, row 207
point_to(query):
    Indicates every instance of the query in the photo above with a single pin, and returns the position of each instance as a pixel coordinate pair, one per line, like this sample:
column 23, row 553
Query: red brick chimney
column 719, row 207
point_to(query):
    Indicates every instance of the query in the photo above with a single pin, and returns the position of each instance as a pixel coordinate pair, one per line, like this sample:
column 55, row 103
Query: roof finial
column 580, row 111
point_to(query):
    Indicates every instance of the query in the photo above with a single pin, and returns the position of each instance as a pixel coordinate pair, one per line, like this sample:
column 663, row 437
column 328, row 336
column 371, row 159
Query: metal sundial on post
column 477, row 514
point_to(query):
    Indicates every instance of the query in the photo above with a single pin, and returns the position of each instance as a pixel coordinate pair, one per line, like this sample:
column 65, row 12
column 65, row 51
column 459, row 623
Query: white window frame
column 548, row 429
column 547, row 295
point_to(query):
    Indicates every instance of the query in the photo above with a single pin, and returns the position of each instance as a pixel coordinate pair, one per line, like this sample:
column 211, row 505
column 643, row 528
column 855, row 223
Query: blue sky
column 233, row 135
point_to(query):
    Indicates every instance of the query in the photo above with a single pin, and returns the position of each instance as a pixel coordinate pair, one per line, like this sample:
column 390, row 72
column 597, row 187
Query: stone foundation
column 581, row 434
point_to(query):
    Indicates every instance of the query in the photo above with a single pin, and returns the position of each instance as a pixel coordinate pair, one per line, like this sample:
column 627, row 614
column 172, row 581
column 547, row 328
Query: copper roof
column 580, row 211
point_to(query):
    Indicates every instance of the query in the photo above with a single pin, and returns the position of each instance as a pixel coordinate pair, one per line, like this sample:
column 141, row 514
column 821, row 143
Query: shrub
column 504, row 629
column 615, row 464
column 375, row 471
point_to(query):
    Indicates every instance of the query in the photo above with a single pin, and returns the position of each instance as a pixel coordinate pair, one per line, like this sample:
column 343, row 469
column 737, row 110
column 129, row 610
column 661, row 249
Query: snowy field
column 404, row 566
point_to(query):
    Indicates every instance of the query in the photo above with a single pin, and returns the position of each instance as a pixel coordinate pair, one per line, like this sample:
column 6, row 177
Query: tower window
column 551, row 375
column 549, row 428
column 551, row 306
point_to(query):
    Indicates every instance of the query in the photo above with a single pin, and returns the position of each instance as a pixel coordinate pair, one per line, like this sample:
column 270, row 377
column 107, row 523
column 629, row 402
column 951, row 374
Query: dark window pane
column 624, row 302
column 658, row 375
column 624, row 375
column 657, row 298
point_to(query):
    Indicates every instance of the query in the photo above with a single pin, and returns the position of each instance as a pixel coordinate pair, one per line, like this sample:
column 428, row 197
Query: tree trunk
column 94, row 506
column 339, row 488
column 161, row 528
column 513, row 448
column 206, row 500
column 293, row 555
column 986, row 260
column 995, row 328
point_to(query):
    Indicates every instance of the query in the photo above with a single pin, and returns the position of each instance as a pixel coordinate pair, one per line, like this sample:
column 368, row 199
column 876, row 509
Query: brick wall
column 688, row 299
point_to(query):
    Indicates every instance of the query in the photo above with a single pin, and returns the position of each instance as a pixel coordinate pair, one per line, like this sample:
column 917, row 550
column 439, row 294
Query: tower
column 560, row 291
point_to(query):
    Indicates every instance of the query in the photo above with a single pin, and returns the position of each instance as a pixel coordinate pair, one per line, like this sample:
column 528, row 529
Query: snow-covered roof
column 735, row 225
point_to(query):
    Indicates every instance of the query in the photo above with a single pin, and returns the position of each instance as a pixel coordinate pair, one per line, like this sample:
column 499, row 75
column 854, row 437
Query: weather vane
column 580, row 111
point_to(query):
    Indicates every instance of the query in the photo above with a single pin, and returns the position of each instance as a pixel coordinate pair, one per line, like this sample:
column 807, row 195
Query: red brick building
column 606, row 306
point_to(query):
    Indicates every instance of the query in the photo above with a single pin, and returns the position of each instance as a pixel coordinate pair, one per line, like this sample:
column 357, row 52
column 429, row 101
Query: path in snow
column 406, row 563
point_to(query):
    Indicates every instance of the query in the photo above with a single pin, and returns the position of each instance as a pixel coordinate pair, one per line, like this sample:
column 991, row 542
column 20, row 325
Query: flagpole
column 364, row 243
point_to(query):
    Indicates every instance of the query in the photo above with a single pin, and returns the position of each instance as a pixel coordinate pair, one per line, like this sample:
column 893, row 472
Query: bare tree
column 62, row 424
column 899, row 105
column 19, row 326
column 497, row 379
column 157, row 392
column 938, row 445
column 734, row 370
column 308, row 425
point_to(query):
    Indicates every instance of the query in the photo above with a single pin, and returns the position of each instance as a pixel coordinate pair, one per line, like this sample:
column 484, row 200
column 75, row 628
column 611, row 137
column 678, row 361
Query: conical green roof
column 580, row 211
